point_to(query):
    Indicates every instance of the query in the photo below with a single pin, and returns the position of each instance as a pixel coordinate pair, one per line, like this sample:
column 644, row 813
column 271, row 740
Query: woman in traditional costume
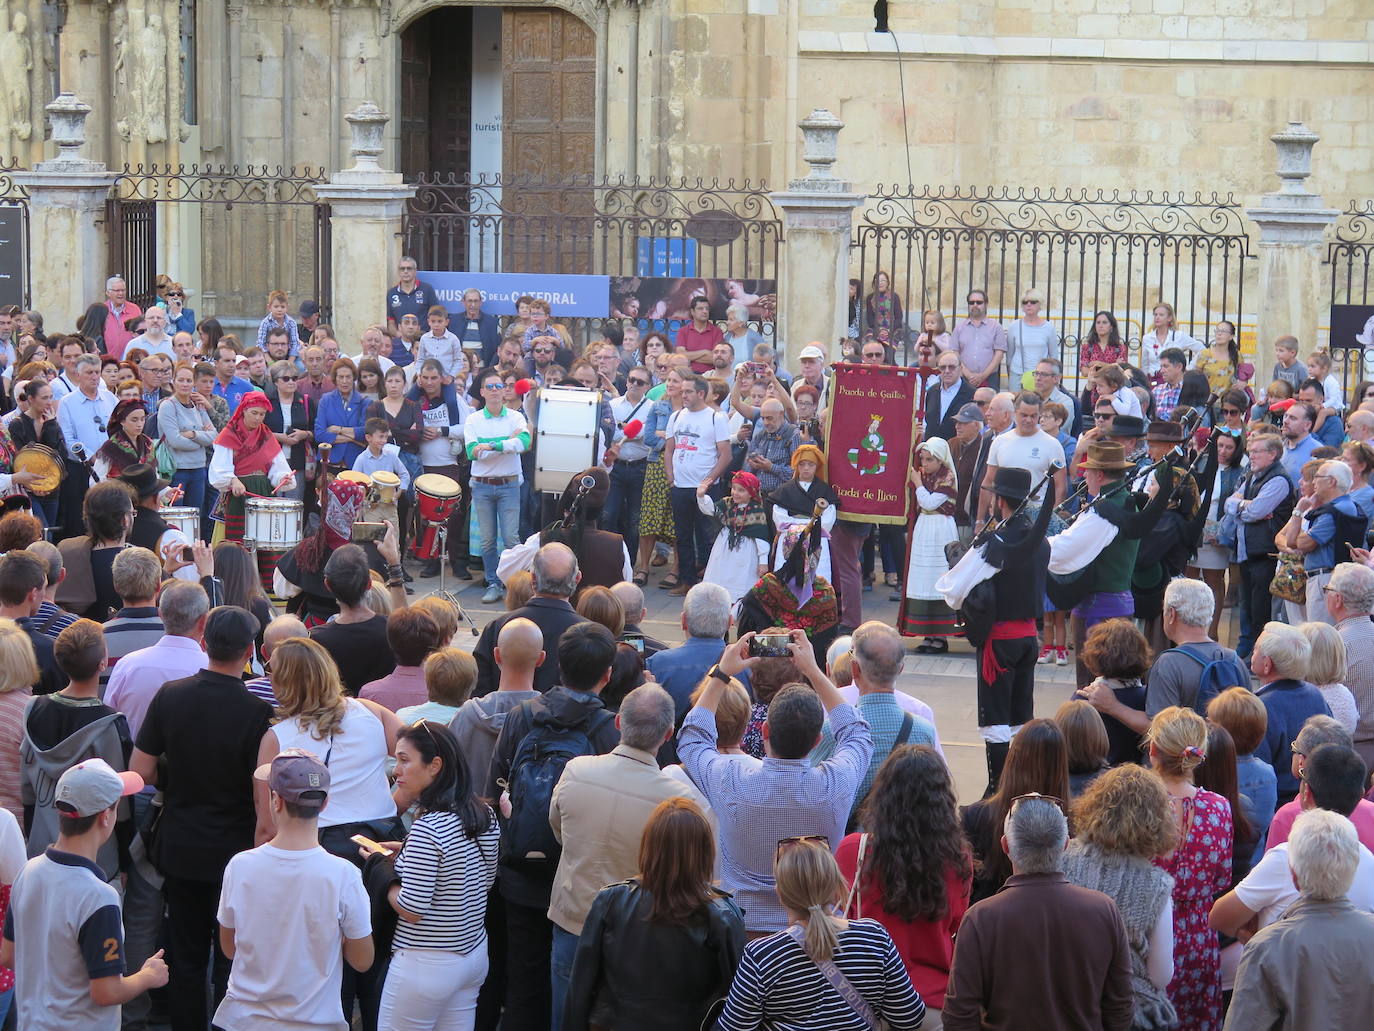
column 739, row 557
column 247, row 460
column 128, row 444
column 795, row 597
column 924, row 612
column 794, row 504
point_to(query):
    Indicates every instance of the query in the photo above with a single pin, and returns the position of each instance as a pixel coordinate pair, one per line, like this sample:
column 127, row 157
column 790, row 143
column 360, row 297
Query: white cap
column 812, row 351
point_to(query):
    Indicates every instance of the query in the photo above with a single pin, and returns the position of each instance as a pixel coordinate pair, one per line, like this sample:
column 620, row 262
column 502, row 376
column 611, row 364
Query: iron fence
column 1349, row 258
column 257, row 229
column 1087, row 251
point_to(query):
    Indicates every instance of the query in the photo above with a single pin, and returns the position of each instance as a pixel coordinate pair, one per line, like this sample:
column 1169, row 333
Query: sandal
column 668, row 581
column 641, row 578
column 659, row 560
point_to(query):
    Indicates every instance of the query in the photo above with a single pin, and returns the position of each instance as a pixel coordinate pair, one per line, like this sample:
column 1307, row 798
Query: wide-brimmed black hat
column 143, row 478
column 1012, row 483
column 1127, row 426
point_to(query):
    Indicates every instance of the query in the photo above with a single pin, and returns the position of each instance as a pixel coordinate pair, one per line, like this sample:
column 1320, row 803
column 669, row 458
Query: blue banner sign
column 574, row 297
column 660, row 256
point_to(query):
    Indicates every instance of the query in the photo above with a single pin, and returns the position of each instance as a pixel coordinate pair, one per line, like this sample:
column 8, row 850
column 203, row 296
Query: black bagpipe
column 808, row 542
column 565, row 529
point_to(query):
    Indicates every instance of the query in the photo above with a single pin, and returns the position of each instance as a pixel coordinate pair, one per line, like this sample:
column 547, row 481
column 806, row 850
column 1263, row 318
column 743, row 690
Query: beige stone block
column 1175, row 27
column 1136, row 49
column 817, row 41
column 1099, row 26
column 1167, row 7
column 1141, row 26
column 1077, row 48
column 1344, row 52
column 1204, row 28
column 1291, row 50
column 1014, row 23
column 1024, row 46
column 1237, row 50
column 1195, row 50
column 854, row 42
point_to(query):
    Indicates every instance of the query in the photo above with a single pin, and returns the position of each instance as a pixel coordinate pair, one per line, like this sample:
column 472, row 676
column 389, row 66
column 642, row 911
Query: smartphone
column 635, row 641
column 364, row 532
column 757, row 368
column 771, row 646
column 362, row 841
column 187, row 555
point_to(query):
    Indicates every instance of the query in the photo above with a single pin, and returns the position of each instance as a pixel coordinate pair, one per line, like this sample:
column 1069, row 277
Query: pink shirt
column 1282, row 825
column 405, row 686
column 116, row 336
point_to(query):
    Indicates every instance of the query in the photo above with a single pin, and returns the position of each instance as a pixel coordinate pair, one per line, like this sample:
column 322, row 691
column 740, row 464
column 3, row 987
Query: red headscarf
column 342, row 503
column 749, row 482
column 253, row 451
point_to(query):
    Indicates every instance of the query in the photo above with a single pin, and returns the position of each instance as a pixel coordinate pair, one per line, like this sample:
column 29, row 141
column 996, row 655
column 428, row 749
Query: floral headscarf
column 343, row 501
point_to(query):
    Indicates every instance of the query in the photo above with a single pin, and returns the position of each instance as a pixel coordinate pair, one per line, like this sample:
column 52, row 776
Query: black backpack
column 527, row 841
column 1215, row 676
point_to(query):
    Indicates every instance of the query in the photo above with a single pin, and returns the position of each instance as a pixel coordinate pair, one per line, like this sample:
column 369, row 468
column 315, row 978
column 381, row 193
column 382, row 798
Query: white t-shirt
column 12, row 852
column 1125, row 402
column 290, row 912
column 695, row 436
column 1036, row 453
column 1268, row 888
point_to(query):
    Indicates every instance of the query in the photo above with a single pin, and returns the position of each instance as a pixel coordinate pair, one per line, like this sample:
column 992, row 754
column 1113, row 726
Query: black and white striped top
column 778, row 986
column 445, row 877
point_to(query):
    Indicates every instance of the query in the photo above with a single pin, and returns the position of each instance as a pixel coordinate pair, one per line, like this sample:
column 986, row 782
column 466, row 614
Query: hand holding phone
column 370, row 847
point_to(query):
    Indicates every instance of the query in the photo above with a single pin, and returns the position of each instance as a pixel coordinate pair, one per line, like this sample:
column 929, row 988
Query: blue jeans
column 623, row 503
column 192, row 483
column 498, row 521
column 560, row 973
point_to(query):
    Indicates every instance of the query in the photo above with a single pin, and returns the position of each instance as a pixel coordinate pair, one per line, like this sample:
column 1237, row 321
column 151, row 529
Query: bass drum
column 566, row 435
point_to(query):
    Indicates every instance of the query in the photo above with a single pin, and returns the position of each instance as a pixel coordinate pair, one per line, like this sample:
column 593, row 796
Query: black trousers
column 623, row 503
column 529, row 939
column 192, row 939
column 693, row 534
column 1257, row 604
column 1009, row 700
column 71, row 495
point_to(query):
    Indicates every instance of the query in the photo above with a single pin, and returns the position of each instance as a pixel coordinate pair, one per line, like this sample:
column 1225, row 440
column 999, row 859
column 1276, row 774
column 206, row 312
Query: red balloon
column 524, row 386
column 633, row 428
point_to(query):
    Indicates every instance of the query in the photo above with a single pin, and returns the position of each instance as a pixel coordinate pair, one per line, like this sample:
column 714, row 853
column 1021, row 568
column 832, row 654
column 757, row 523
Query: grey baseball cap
column 969, row 413
column 92, row 786
column 296, row 775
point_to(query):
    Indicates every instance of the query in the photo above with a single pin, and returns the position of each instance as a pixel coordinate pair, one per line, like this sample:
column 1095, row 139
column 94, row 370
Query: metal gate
column 260, row 230
column 1086, row 250
column 1350, row 258
column 15, row 278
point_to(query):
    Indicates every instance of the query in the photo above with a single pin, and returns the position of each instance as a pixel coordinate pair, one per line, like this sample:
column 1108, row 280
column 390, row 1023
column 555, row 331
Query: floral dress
column 1092, row 351
column 1220, row 373
column 1201, row 868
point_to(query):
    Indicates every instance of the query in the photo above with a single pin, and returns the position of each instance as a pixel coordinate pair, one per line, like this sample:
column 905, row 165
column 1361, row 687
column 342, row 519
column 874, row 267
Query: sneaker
column 1046, row 654
column 680, row 590
column 495, row 593
column 1061, row 657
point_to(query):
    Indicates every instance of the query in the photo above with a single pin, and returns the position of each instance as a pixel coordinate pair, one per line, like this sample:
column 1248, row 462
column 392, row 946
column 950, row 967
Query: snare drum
column 566, row 435
column 185, row 518
column 43, row 461
column 353, row 476
column 436, row 496
column 272, row 524
column 386, row 487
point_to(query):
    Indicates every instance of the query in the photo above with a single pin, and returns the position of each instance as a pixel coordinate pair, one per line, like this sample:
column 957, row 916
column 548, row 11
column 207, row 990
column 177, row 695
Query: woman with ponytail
column 824, row 973
column 1200, row 865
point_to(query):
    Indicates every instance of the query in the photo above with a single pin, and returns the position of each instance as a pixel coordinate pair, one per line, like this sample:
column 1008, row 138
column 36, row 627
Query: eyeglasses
column 287, row 379
column 972, row 302
column 1029, row 300
column 635, row 381
column 174, row 293
column 1036, row 797
column 800, row 839
column 1100, row 416
column 1231, row 411
column 493, row 386
column 1037, row 374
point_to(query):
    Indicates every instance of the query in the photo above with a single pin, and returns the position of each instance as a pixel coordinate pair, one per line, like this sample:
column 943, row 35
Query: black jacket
column 618, row 973
column 941, row 424
column 552, row 616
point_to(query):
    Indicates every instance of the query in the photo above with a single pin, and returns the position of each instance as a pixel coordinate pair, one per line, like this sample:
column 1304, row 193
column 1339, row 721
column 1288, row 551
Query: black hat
column 1127, row 426
column 596, row 496
column 1166, row 432
column 143, row 478
column 309, row 308
column 1012, row 483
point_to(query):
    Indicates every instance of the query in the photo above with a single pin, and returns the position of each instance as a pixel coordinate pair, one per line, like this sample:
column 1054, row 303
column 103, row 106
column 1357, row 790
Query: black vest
column 1259, row 536
column 148, row 529
column 1019, row 586
column 601, row 558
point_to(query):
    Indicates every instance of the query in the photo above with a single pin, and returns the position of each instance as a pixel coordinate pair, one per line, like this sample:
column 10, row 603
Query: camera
column 771, row 645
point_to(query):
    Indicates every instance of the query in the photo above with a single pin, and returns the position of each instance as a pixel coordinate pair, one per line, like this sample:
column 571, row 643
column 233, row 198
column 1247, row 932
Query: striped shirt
column 445, row 877
column 261, row 687
column 51, row 620
column 778, row 985
column 507, row 432
column 127, row 631
column 1358, row 634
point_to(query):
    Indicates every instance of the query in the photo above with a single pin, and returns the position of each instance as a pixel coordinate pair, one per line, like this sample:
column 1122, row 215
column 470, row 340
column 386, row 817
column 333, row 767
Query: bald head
column 1361, row 426
column 878, row 654
column 772, row 413
column 519, row 646
column 283, row 628
column 631, row 599
column 1001, row 410
column 555, row 571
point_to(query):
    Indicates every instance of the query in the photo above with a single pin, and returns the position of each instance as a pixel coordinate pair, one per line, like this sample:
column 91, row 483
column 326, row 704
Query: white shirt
column 521, row 556
column 1150, row 348
column 86, row 420
column 694, row 436
column 1037, row 454
column 1080, row 544
column 1268, row 888
column 358, row 787
column 12, row 853
column 1125, row 402
column 290, row 912
column 160, row 345
column 222, row 468
column 140, row 675
column 625, row 410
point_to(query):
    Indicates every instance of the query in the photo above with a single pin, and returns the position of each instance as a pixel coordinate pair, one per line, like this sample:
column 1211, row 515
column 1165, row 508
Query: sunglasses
column 800, row 839
column 1037, row 797
column 493, row 386
column 635, row 381
column 1230, row 411
column 1103, row 415
column 287, row 379
column 1029, row 300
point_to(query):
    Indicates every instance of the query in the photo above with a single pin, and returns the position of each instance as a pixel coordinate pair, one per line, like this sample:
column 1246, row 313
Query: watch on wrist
column 719, row 674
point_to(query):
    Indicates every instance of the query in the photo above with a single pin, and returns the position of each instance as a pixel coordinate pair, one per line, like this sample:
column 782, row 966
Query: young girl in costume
column 739, row 558
column 924, row 611
column 794, row 503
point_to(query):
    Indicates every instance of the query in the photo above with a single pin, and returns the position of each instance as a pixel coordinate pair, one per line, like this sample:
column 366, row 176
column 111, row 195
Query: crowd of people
column 251, row 787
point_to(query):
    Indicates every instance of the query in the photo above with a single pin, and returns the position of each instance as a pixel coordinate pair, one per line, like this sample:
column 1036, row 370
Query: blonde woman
column 1327, row 669
column 1122, row 824
column 1200, row 865
column 354, row 737
column 18, row 674
column 1163, row 335
column 1030, row 339
column 780, row 983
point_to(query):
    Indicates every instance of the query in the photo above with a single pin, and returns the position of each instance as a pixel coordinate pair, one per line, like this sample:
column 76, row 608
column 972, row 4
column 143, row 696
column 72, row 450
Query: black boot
column 997, row 758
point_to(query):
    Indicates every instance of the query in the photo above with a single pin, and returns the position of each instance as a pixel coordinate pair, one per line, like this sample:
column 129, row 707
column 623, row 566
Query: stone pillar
column 818, row 214
column 67, row 230
column 366, row 203
column 1292, row 225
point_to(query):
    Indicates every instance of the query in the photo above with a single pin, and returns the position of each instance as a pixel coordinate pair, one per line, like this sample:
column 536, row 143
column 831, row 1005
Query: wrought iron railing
column 15, row 279
column 1350, row 261
column 585, row 225
column 1087, row 250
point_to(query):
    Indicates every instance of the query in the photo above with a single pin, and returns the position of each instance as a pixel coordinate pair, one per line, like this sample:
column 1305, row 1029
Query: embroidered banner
column 871, row 437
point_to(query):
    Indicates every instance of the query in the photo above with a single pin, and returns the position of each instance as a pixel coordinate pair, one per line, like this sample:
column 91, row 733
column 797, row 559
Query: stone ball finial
column 367, row 122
